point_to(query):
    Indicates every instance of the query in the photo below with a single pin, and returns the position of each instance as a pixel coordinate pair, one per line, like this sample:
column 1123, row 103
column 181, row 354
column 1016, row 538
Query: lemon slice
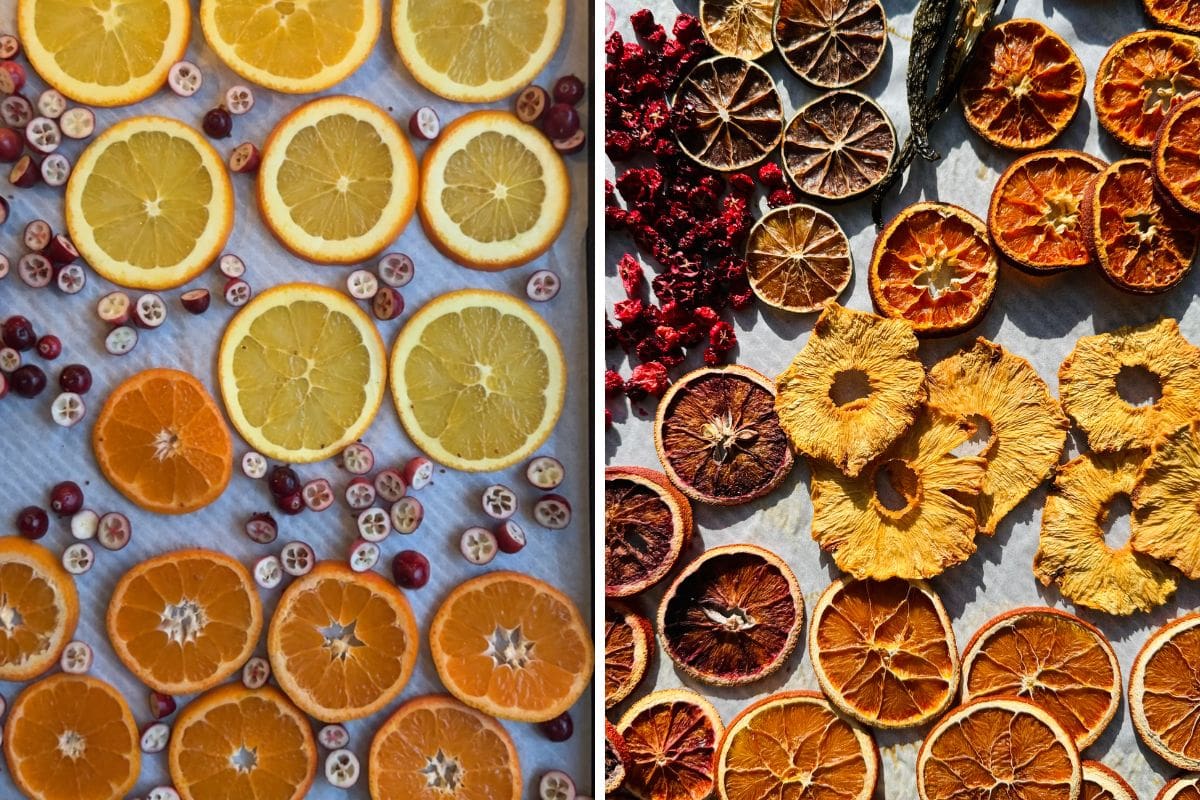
column 494, row 191
column 476, row 51
column 295, row 46
column 302, row 372
column 149, row 204
column 104, row 52
column 338, row 180
column 478, row 379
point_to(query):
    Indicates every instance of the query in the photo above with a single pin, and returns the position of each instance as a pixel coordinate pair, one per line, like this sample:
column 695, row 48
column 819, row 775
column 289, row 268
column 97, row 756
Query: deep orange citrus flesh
column 671, row 738
column 1182, row 15
column 628, row 645
column 1182, row 788
column 1177, row 154
column 40, row 606
column 1100, row 782
column 1141, row 77
column 1164, row 692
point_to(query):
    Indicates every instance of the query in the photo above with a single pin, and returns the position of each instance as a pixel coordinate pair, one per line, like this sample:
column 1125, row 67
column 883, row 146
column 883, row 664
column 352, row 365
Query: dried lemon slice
column 1166, row 521
column 738, row 27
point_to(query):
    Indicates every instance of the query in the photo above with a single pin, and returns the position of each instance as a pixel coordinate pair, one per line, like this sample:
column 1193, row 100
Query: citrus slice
column 884, row 651
column 104, row 53
column 302, row 372
column 671, row 736
column 733, row 616
column 184, row 621
column 831, row 44
column 1051, row 658
column 628, row 647
column 494, row 191
column 616, row 753
column 39, row 602
column 647, row 524
column 149, row 204
column 798, row 259
column 1182, row 788
column 739, row 28
column 1176, row 156
column 838, row 146
column 512, row 646
column 292, row 47
column 435, row 748
column 342, row 643
column 161, row 441
column 1182, row 15
column 795, row 745
column 478, row 379
column 1164, row 692
column 1141, row 77
column 1166, row 522
column 728, row 113
column 71, row 736
column 1102, row 783
column 252, row 744
column 460, row 51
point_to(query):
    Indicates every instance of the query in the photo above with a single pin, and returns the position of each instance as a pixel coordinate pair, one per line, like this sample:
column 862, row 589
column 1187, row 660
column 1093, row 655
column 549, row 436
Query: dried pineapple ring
column 1072, row 552
column 924, row 524
column 1166, row 521
column 1022, row 426
column 853, row 390
column 1089, row 384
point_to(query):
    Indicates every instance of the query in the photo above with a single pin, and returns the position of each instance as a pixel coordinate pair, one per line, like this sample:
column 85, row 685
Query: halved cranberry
column 76, row 123
column 195, row 301
column 77, row 656
column 231, row 265
column 363, row 555
column 161, row 705
column 418, row 472
column 542, row 286
column 283, row 481
column 66, row 498
column 558, row 729
column 28, row 381
column 333, row 736
column 16, row 111
column 268, row 573
column 51, row 104
column 561, row 121
column 10, row 359
column 552, row 511
column 239, row 99
column 374, row 525
column 410, row 569
column 396, row 270
column 12, row 144
column 114, row 531
column 499, row 501
column 60, row 249
column 297, row 559
column 25, row 173
column 70, row 278
column 167, row 793
column 84, row 524
column 35, row 270
column 568, row 89
column 43, row 135
column 424, row 124
column 360, row 494
column 362, row 284
column 155, row 737
column 75, row 378
column 114, row 308
column 10, row 46
column 185, row 78
column 545, row 472
column 121, row 340
column 387, row 304
column 56, row 168
column 32, row 522
column 531, row 104
column 12, row 77
column 237, row 292
column 407, row 513
column 317, row 494
column 291, row 504
column 342, row 769
column 254, row 465
column 257, row 670
column 217, row 123
column 245, row 158
column 478, row 545
column 78, row 558
column 18, row 333
column 37, row 235
column 556, row 785
column 68, row 409
column 572, row 144
column 358, row 459
column 510, row 537
column 390, row 485
column 150, row 311
column 261, row 528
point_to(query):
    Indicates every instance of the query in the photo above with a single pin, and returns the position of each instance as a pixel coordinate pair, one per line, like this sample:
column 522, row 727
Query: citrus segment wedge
column 671, row 737
column 1102, row 783
column 647, row 525
column 628, row 648
column 38, row 598
column 1164, row 692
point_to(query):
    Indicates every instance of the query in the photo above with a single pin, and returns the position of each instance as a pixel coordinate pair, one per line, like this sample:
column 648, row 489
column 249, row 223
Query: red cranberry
column 66, row 498
column 75, row 378
column 568, row 89
column 18, row 333
column 558, row 729
column 283, row 481
column 49, row 347
column 561, row 121
column 410, row 569
column 32, row 522
column 291, row 504
column 28, row 381
column 218, row 123
column 12, row 144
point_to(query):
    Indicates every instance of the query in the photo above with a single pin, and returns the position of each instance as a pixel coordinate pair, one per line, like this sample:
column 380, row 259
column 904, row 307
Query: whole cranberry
column 558, row 729
column 568, row 89
column 49, row 347
column 410, row 569
column 561, row 121
column 75, row 378
column 66, row 498
column 28, row 381
column 18, row 333
column 12, row 144
column 283, row 481
column 32, row 522
column 218, row 123
column 291, row 504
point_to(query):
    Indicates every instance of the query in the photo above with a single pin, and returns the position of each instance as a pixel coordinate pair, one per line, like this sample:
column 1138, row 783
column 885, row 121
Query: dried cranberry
column 632, row 277
column 780, row 197
column 649, row 378
column 613, row 382
column 721, row 337
column 771, row 175
column 629, row 311
column 741, row 183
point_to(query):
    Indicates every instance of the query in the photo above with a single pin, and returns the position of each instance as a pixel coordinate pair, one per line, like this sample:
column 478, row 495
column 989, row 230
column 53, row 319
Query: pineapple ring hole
column 850, row 388
column 897, row 486
column 1138, row 386
column 980, row 442
column 1114, row 522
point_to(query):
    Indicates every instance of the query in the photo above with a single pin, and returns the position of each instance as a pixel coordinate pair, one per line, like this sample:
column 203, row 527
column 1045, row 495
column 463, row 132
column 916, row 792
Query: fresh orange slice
column 1164, row 692
column 72, row 736
column 182, row 622
column 1102, row 783
column 342, row 644
column 1140, row 79
column 671, row 738
column 1186, row 787
column 1176, row 157
column 39, row 609
column 435, row 748
column 252, row 744
column 628, row 647
column 512, row 646
column 161, row 441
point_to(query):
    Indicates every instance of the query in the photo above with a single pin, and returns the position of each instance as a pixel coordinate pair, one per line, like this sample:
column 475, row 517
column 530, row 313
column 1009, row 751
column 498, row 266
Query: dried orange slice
column 647, row 524
column 798, row 259
column 1142, row 243
column 884, row 651
column 1141, row 77
column 739, row 28
column 161, row 441
column 1176, row 157
column 184, row 621
column 729, row 114
column 1182, row 15
column 838, row 146
column 795, row 745
column 342, row 643
column 1023, row 85
column 853, row 390
column 616, row 753
column 1102, row 783
column 1181, row 788
column 718, row 436
column 671, row 737
column 434, row 747
column 1034, row 216
column 998, row 745
column 1052, row 659
column 628, row 647
column 1072, row 552
column 39, row 609
column 1166, row 522
column 831, row 43
column 933, row 266
column 732, row 616
column 1164, row 692
column 245, row 743
column 71, row 736
column 512, row 646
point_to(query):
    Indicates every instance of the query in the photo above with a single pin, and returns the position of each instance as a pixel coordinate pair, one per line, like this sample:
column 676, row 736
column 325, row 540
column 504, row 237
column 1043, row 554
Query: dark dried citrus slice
column 1185, row 787
column 739, row 28
column 732, row 616
column 884, row 651
column 615, row 756
column 1023, row 85
column 934, row 267
column 647, row 523
column 1140, row 78
column 1181, row 15
column 628, row 646
column 853, row 390
column 1166, row 520
column 1164, row 692
column 1019, row 424
column 831, row 43
column 838, row 146
column 1142, row 243
column 1102, row 783
column 718, row 436
column 1052, row 659
column 1072, row 552
column 1034, row 217
column 1176, row 156
column 798, row 259
column 728, row 113
column 671, row 737
column 795, row 746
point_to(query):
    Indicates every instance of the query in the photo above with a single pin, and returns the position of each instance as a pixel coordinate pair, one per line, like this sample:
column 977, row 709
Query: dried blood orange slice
column 853, row 390
column 1023, row 85
column 628, row 646
column 884, row 651
column 733, row 616
column 1142, row 243
column 934, row 267
column 1050, row 658
column 1166, row 520
column 729, row 115
column 1140, row 78
column 1176, row 156
column 1034, row 215
column 718, row 436
column 739, row 28
column 1102, row 783
column 1182, row 788
column 798, row 259
column 615, row 755
column 838, row 146
column 1164, row 692
column 671, row 737
column 1182, row 15
column 647, row 523
column 795, row 745
column 998, row 747
column 831, row 43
